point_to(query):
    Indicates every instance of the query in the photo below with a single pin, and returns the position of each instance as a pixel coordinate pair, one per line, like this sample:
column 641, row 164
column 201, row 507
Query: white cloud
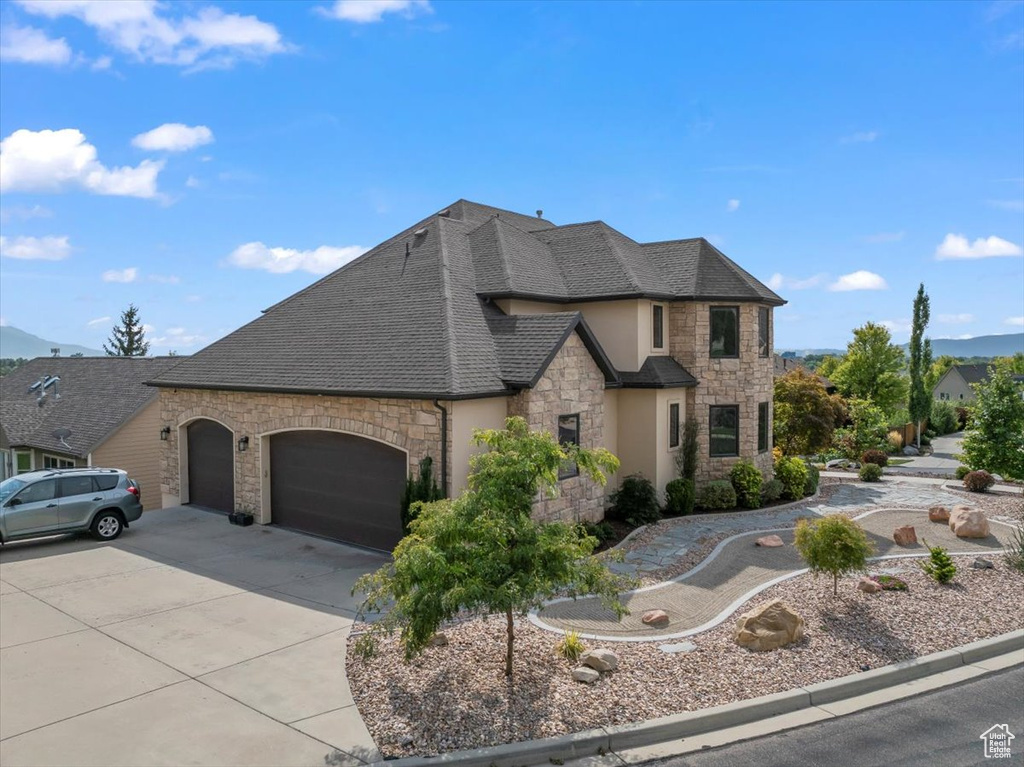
column 732, row 206
column 1019, row 321
column 50, row 161
column 256, row 255
column 884, row 237
column 193, row 183
column 957, row 246
column 176, row 338
column 778, row 281
column 145, row 30
column 102, row 63
column 97, row 321
column 121, row 275
column 193, row 299
column 860, row 137
column 897, row 326
column 24, row 213
column 28, row 45
column 173, row 137
column 955, row 319
column 164, row 279
column 370, row 11
column 35, row 248
column 859, row 280
column 1014, row 205
column 3, row 322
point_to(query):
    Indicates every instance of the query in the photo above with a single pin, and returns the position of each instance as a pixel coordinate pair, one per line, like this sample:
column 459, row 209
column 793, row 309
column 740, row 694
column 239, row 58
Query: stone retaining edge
column 618, row 737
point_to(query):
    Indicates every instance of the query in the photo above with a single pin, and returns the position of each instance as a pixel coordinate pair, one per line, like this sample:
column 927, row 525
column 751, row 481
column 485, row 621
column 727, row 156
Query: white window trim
column 664, row 327
column 668, row 417
column 58, row 458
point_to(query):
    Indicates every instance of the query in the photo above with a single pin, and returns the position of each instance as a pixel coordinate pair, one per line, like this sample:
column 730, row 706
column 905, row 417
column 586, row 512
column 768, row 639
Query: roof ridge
column 624, row 264
column 447, row 321
column 750, row 280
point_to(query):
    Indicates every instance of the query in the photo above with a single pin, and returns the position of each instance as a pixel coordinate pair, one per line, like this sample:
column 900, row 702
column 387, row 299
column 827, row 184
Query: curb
column 619, row 737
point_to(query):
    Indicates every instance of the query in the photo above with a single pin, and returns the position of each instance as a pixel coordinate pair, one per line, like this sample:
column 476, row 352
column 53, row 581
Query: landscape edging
column 687, row 724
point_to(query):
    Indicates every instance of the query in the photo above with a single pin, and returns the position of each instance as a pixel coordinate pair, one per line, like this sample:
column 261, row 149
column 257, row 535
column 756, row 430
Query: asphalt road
column 938, row 729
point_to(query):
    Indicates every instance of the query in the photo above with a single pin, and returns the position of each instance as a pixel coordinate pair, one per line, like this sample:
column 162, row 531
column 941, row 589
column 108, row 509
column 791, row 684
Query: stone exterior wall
column 573, row 383
column 412, row 425
column 745, row 381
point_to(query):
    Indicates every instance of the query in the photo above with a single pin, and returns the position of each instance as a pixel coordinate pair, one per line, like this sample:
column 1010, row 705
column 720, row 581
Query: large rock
column 600, row 659
column 969, row 524
column 769, row 626
column 584, row 674
column 438, row 640
column 938, row 514
column 869, row 586
column 905, row 536
column 655, row 618
column 769, row 542
column 956, row 512
column 911, row 450
column 982, row 564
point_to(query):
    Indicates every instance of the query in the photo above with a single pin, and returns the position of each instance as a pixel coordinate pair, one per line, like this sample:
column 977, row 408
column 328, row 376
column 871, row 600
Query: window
column 40, row 491
column 22, row 462
column 658, row 326
column 724, row 427
column 725, row 331
column 673, row 424
column 762, row 427
column 76, row 486
column 106, row 481
column 961, row 396
column 53, row 462
column 569, row 434
column 764, row 319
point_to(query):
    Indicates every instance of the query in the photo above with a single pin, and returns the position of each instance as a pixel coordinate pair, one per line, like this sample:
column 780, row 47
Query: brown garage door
column 337, row 485
column 211, row 472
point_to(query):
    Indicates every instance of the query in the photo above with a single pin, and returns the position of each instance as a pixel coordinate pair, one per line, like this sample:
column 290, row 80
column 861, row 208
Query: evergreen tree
column 994, row 440
column 920, row 403
column 129, row 338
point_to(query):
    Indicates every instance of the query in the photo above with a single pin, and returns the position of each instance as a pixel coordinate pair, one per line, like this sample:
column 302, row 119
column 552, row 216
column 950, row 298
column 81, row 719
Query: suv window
column 106, row 481
column 43, row 490
column 76, row 486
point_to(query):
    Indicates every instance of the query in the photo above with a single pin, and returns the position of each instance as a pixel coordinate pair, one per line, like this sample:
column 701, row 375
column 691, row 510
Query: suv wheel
column 107, row 526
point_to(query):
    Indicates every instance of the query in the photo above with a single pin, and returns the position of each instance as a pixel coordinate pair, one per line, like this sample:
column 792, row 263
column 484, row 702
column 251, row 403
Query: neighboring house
column 313, row 415
column 955, row 384
column 97, row 411
column 785, row 365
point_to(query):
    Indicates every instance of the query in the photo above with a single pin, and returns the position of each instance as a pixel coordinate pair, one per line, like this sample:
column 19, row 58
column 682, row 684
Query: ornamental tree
column 871, row 369
column 920, row 402
column 835, row 545
column 994, row 439
column 483, row 553
column 805, row 414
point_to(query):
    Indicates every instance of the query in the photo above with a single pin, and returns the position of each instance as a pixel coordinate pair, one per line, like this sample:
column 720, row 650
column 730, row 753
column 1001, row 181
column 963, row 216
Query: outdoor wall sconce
column 243, row 444
column 165, row 433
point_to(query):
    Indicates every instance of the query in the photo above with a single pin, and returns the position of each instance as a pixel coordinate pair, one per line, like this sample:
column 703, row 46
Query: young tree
column 871, row 369
column 835, row 545
column 483, row 553
column 805, row 414
column 920, row 402
column 994, row 439
column 129, row 338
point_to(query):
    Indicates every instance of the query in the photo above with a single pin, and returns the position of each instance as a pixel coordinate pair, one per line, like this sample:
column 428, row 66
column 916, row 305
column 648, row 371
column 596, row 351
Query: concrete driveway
column 186, row 641
column 941, row 461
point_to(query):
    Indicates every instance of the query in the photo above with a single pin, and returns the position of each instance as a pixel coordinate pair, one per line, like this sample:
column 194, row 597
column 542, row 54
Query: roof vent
column 540, row 214
column 446, row 213
column 420, row 232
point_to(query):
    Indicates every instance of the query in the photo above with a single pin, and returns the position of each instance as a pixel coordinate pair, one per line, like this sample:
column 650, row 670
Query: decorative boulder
column 869, row 586
column 938, row 514
column 584, row 674
column 982, row 564
column 769, row 626
column 970, row 523
column 905, row 536
column 769, row 542
column 956, row 512
column 600, row 659
column 911, row 450
column 655, row 618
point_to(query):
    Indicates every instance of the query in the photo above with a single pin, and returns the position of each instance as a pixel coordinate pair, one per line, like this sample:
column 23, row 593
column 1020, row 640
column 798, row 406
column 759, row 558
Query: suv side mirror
column 14, row 502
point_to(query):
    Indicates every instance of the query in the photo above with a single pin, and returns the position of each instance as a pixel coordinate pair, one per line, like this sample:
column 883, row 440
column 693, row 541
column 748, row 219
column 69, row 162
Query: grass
column 899, row 461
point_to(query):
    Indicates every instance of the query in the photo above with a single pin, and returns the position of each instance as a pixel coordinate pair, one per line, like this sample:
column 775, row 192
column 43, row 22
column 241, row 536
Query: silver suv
column 51, row 502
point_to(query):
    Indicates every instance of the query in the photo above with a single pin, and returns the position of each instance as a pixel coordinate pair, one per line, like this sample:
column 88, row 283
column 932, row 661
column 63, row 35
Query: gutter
column 444, row 446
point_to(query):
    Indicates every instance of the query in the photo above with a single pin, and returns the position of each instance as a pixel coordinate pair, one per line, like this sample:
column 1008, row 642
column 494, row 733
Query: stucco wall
column 643, row 434
column 953, row 385
column 465, row 416
column 135, row 447
column 572, row 384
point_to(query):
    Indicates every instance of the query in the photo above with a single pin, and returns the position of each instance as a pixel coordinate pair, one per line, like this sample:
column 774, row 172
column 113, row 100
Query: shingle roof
column 97, row 396
column 408, row 317
column 658, row 372
column 973, row 374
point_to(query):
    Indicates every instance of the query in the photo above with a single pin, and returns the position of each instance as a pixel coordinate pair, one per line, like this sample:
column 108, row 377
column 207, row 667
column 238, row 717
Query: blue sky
column 206, row 160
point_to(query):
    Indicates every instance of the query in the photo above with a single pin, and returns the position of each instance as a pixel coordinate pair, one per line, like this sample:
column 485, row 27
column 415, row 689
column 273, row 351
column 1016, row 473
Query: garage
column 340, row 486
column 211, row 471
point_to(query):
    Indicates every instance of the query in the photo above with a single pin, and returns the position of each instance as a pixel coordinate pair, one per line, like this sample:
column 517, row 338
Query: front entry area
column 340, row 486
column 211, row 471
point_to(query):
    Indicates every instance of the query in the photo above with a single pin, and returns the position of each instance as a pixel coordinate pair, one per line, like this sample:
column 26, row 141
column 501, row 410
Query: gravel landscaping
column 456, row 696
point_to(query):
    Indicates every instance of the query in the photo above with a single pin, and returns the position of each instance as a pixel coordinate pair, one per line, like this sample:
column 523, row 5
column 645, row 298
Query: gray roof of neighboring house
column 973, row 374
column 409, row 318
column 658, row 372
column 97, row 396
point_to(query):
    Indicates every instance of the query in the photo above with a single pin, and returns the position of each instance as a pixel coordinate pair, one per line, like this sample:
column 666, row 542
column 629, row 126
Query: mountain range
column 1004, row 345
column 16, row 343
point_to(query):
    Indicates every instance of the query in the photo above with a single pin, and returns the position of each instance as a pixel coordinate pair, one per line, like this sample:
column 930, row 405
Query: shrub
column 890, row 582
column 771, row 490
column 679, row 497
column 419, row 489
column 792, row 472
column 746, row 481
column 961, row 418
column 686, row 458
column 811, row 483
column 926, row 439
column 1015, row 550
column 943, row 418
column 602, row 531
column 962, row 471
column 636, row 501
column 939, row 565
column 895, row 440
column 570, row 646
column 717, row 495
column 870, row 472
column 978, row 481
column 876, row 457
column 835, row 545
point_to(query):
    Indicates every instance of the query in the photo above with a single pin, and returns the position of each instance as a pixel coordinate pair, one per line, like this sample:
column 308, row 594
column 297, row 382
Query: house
column 785, row 365
column 313, row 415
column 62, row 412
column 955, row 384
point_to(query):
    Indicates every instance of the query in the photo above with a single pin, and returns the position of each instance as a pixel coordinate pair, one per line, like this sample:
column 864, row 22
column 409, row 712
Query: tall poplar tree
column 920, row 401
column 129, row 338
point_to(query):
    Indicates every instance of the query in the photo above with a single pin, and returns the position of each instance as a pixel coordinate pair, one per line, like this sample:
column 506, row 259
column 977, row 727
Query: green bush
column 602, row 531
column 870, row 472
column 926, row 439
column 636, row 501
column 813, row 477
column 771, row 490
column 792, row 472
column 570, row 646
column 876, row 457
column 962, row 471
column 718, row 494
column 679, row 497
column 978, row 481
column 943, row 418
column 746, row 480
column 419, row 489
column 1015, row 550
column 940, row 565
column 835, row 545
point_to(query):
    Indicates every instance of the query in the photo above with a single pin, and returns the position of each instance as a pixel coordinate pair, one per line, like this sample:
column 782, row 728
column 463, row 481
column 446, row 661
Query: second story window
column 725, row 331
column 658, row 326
column 764, row 318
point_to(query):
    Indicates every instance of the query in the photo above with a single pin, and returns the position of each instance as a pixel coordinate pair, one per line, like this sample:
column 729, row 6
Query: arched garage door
column 337, row 485
column 211, row 471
